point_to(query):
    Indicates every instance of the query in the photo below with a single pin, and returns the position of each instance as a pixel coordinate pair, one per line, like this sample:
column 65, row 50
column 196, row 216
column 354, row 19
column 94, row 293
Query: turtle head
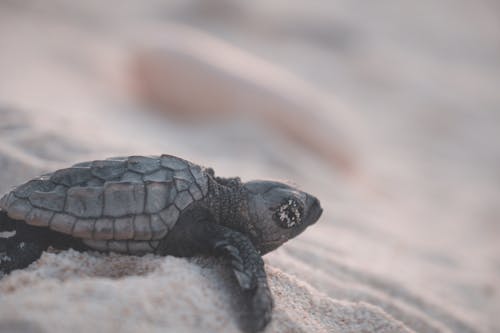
column 279, row 212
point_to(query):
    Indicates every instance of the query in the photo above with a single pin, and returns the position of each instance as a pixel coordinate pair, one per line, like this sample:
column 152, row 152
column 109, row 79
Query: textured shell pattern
column 123, row 204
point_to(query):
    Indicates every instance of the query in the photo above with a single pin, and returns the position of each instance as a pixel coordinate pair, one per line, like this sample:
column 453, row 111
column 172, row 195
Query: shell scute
column 25, row 190
column 118, row 246
column 39, row 217
column 7, row 200
column 108, row 169
column 52, row 200
column 169, row 216
column 139, row 247
column 133, row 177
column 201, row 178
column 184, row 175
column 84, row 228
column 181, row 184
column 103, row 229
column 142, row 164
column 195, row 192
column 157, row 194
column 71, row 176
column 183, row 199
column 173, row 163
column 123, row 198
column 142, row 228
column 159, row 176
column 85, row 202
column 124, row 228
column 18, row 209
column 63, row 223
column 158, row 227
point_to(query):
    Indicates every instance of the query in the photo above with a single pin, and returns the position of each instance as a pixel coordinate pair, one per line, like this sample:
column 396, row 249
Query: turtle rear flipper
column 6, row 223
column 22, row 249
column 28, row 244
column 3, row 245
column 19, row 253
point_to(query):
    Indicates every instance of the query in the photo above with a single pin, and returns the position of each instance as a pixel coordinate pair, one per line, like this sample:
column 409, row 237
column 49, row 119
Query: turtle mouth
column 270, row 246
column 315, row 211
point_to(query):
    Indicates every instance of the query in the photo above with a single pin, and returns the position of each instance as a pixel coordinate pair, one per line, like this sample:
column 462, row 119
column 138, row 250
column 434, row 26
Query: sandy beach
column 388, row 112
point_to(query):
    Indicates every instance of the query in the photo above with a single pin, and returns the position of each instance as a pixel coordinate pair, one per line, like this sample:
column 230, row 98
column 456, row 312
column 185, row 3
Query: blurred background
column 388, row 111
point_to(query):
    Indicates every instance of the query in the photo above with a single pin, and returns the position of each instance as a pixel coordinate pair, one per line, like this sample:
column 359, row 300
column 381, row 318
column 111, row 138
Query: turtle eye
column 289, row 213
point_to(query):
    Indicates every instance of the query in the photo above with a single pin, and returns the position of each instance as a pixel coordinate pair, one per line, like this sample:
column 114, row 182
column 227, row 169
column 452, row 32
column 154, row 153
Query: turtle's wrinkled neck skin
column 227, row 203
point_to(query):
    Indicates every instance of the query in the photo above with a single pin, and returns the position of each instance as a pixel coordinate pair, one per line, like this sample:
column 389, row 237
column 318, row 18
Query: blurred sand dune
column 193, row 76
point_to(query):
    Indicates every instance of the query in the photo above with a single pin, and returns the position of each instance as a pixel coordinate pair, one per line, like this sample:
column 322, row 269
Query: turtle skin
column 158, row 204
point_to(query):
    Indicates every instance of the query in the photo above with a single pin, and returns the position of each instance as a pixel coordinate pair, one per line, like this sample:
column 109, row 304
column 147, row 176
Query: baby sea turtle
column 157, row 204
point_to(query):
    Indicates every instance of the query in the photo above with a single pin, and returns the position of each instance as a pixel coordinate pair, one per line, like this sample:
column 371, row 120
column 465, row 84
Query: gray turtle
column 157, row 204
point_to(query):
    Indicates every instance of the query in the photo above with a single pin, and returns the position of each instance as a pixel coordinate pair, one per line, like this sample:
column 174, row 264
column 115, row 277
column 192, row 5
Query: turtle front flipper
column 194, row 235
column 248, row 267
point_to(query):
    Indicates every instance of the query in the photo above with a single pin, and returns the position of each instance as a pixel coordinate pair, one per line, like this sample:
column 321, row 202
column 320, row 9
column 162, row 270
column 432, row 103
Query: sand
column 407, row 93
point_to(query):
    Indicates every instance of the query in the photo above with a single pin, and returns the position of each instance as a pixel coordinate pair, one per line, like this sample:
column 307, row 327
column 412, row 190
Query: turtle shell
column 111, row 204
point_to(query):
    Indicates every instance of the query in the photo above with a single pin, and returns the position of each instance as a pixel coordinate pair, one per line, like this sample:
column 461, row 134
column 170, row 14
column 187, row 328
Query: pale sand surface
column 408, row 243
